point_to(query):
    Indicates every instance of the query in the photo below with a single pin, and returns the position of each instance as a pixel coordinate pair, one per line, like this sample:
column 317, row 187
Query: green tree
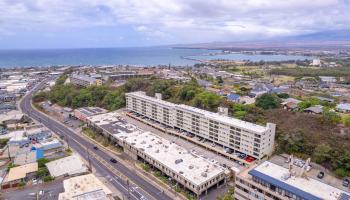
column 42, row 172
column 283, row 95
column 61, row 79
column 323, row 153
column 240, row 114
column 347, row 120
column 207, row 101
column 42, row 162
column 11, row 165
column 135, row 84
column 308, row 103
column 48, row 178
column 84, row 98
column 268, row 101
column 188, row 92
column 330, row 117
column 40, row 96
column 114, row 100
column 219, row 80
column 229, row 195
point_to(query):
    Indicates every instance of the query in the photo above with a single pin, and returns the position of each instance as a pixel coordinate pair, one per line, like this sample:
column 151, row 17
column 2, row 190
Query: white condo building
column 241, row 136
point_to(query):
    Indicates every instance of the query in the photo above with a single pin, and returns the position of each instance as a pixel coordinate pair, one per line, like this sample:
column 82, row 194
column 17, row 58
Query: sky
column 26, row 24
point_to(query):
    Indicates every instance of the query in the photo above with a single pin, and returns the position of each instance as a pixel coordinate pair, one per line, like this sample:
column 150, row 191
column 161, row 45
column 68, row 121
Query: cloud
column 179, row 21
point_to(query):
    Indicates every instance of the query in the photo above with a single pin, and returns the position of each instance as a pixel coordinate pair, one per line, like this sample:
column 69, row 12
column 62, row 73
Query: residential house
column 204, row 83
column 233, row 97
column 246, row 100
column 258, row 90
column 343, row 107
column 290, row 104
column 71, row 165
column 329, row 100
column 328, row 79
column 18, row 174
column 317, row 109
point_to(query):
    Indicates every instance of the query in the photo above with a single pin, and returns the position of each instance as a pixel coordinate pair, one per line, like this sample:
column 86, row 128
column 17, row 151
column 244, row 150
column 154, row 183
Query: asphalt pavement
column 135, row 187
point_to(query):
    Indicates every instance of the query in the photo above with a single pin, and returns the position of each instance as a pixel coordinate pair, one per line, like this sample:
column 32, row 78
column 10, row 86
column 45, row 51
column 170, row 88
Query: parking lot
column 47, row 191
column 198, row 150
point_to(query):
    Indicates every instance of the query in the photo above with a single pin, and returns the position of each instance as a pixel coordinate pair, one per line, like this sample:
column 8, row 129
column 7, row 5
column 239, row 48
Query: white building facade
column 244, row 137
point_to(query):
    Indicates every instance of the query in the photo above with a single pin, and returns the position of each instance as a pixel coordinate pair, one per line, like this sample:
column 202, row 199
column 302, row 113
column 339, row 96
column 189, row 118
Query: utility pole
column 89, row 160
column 8, row 151
column 67, row 140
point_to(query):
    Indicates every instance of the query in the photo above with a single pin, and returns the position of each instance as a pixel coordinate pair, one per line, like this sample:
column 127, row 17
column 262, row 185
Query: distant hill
column 326, row 40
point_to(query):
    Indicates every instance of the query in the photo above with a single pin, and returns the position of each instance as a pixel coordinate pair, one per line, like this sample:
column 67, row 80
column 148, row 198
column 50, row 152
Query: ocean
column 142, row 56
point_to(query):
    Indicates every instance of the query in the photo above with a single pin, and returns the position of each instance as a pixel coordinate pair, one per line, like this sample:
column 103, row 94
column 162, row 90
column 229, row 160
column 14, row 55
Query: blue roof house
column 233, row 97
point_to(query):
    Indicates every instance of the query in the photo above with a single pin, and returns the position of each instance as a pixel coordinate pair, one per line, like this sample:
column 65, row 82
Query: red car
column 249, row 159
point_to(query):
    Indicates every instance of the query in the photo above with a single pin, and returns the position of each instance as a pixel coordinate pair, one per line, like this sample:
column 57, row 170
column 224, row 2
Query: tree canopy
column 268, row 101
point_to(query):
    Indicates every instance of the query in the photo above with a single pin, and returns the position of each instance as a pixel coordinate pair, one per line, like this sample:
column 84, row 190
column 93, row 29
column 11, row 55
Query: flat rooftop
column 84, row 187
column 84, row 77
column 89, row 111
column 141, row 94
column 112, row 122
column 307, row 188
column 193, row 168
column 66, row 166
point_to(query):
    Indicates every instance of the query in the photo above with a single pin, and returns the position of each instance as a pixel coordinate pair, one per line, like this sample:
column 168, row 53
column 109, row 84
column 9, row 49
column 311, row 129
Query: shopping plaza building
column 240, row 136
column 278, row 180
column 184, row 167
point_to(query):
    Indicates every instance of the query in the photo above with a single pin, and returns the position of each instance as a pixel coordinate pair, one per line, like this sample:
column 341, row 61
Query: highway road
column 132, row 187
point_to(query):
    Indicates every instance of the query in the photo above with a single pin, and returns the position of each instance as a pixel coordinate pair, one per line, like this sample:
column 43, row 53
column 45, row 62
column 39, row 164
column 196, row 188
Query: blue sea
column 142, row 56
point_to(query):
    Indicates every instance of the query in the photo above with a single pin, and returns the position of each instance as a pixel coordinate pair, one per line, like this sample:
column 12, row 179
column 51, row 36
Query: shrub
column 48, row 178
column 347, row 120
column 341, row 172
column 268, row 101
column 42, row 162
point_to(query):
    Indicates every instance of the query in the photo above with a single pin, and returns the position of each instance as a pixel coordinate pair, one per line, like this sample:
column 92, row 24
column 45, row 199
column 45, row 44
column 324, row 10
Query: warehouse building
column 240, row 136
column 85, row 112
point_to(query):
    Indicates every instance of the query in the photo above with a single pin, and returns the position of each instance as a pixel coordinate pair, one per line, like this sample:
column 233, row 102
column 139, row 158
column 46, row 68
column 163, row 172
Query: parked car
column 320, row 175
column 249, row 159
column 113, row 160
column 346, row 182
column 96, row 148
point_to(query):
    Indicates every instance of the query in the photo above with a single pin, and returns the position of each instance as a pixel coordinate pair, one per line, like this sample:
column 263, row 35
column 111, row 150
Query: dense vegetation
column 268, row 101
column 302, row 72
column 315, row 136
column 113, row 98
